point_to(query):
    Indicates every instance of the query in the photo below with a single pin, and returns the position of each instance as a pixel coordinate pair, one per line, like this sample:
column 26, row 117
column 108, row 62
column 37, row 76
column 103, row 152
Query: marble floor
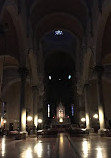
column 61, row 147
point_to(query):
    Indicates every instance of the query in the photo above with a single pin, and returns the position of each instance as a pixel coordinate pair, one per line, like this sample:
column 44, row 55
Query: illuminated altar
column 60, row 112
column 60, row 118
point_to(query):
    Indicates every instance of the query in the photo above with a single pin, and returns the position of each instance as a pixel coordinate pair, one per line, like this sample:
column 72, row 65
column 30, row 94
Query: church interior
column 54, row 52
column 55, row 78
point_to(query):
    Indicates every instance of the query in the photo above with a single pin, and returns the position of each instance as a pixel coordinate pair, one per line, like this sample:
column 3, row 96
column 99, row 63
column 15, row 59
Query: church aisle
column 36, row 148
column 60, row 147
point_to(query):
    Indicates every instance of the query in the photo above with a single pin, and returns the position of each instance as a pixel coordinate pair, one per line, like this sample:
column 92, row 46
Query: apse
column 59, row 50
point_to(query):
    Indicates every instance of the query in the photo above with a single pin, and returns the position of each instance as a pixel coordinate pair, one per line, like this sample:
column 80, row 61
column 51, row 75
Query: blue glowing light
column 72, row 109
column 58, row 32
column 69, row 77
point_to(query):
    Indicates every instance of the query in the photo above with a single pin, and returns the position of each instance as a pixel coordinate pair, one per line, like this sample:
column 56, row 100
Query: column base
column 103, row 132
column 21, row 135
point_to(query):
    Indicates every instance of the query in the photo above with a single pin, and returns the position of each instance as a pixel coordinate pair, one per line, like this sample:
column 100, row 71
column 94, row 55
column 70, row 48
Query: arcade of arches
column 51, row 53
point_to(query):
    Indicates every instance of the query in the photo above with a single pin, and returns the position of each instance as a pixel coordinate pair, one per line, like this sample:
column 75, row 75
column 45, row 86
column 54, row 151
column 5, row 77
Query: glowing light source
column 58, row 32
column 95, row 116
column 72, row 110
column 48, row 110
column 101, row 118
column 23, row 125
column 29, row 118
column 5, row 121
column 2, row 122
column 83, row 119
column 87, row 120
column 69, row 77
column 61, row 120
column 50, row 77
column 39, row 120
column 35, row 120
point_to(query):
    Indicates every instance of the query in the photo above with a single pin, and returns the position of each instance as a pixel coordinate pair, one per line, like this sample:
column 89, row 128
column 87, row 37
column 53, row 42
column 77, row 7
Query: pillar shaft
column 87, row 108
column 1, row 103
column 40, row 109
column 1, row 75
column 99, row 70
column 80, row 106
column 35, row 105
column 76, row 102
column 22, row 117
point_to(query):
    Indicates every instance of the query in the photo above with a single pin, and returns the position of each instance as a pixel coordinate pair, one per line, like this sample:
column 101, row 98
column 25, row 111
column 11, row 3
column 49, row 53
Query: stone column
column 87, row 108
column 99, row 70
column 41, row 83
column 81, row 107
column 35, row 105
column 22, row 117
column 40, row 109
column 75, row 118
column 1, row 75
column 1, row 102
